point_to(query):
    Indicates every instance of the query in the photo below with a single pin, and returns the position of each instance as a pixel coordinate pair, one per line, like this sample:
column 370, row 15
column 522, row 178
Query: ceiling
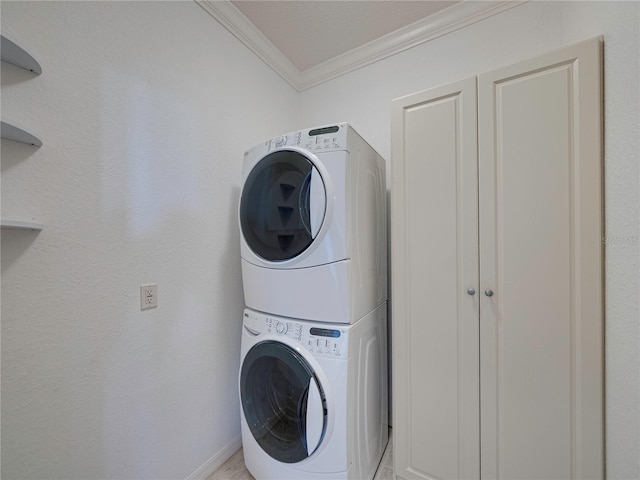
column 309, row 42
column 311, row 32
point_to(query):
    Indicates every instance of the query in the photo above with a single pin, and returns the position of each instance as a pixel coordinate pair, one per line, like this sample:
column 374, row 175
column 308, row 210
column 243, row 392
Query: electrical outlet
column 148, row 296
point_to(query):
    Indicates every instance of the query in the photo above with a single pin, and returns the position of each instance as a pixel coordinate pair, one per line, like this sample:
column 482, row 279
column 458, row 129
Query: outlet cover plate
column 148, row 296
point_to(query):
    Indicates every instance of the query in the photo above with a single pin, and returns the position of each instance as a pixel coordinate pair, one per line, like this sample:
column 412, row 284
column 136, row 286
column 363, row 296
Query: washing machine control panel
column 325, row 342
column 322, row 342
column 281, row 326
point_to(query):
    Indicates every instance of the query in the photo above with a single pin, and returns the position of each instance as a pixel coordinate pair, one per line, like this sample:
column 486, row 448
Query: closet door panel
column 540, row 254
column 434, row 262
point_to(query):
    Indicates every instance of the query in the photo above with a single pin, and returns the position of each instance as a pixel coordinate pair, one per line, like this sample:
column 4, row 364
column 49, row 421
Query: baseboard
column 217, row 460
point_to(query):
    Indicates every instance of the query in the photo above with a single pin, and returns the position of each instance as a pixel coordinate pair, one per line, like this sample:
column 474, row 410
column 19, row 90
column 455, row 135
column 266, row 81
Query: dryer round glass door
column 283, row 402
column 282, row 205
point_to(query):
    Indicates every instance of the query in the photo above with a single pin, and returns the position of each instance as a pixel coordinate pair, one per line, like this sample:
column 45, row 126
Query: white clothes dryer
column 314, row 397
column 313, row 226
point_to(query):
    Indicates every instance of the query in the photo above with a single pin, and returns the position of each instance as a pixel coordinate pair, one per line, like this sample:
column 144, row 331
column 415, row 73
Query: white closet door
column 541, row 365
column 435, row 260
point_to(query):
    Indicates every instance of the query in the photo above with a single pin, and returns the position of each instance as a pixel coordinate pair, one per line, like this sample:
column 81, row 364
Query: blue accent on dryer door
column 275, row 213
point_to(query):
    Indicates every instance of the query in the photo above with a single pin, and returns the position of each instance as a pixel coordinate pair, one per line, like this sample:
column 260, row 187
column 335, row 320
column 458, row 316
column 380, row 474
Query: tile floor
column 234, row 469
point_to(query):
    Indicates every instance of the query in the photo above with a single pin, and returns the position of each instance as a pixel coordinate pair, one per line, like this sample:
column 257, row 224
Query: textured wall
column 145, row 110
column 364, row 98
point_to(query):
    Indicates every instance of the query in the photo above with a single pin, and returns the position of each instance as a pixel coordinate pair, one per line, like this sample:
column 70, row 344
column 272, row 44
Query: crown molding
column 233, row 20
column 429, row 28
column 457, row 16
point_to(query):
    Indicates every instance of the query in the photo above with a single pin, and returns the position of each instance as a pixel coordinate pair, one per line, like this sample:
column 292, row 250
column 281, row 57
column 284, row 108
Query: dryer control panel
column 332, row 137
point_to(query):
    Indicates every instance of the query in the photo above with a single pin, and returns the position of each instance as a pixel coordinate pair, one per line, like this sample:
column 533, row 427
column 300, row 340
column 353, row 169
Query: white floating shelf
column 20, row 225
column 15, row 55
column 17, row 134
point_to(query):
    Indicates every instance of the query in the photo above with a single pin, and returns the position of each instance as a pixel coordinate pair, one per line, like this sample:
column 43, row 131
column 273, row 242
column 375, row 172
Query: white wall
column 363, row 98
column 144, row 109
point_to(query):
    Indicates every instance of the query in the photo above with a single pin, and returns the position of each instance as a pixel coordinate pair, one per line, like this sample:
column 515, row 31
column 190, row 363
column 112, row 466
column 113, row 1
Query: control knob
column 281, row 327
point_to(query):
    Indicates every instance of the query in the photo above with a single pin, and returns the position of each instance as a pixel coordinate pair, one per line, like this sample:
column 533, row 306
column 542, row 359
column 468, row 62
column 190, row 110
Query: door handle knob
column 471, row 291
column 488, row 293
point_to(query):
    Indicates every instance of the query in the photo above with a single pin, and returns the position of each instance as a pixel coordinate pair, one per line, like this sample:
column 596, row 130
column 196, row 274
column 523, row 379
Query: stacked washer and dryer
column 313, row 377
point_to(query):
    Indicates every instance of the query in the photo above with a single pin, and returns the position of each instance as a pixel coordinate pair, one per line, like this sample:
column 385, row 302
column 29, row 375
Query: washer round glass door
column 283, row 402
column 282, row 205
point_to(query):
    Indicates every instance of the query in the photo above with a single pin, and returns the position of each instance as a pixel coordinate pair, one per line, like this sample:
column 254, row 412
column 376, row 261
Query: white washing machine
column 314, row 397
column 313, row 226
